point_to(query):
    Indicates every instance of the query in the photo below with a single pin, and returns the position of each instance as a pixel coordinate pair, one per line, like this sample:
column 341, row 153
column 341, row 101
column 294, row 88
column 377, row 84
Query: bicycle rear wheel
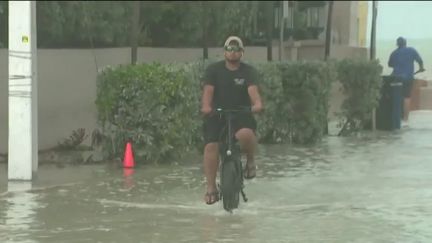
column 231, row 182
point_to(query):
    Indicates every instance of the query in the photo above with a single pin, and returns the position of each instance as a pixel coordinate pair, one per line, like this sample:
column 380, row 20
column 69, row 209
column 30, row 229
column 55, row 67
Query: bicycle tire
column 231, row 182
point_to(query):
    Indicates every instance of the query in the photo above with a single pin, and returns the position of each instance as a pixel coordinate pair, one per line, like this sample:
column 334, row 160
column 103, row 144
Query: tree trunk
column 281, row 31
column 205, row 17
column 328, row 30
column 270, row 21
column 135, row 30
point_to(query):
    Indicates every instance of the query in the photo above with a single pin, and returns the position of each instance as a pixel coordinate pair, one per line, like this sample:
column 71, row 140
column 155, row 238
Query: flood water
column 373, row 188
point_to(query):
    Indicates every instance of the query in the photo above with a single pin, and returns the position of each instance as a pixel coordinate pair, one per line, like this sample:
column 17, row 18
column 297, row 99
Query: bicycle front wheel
column 231, row 183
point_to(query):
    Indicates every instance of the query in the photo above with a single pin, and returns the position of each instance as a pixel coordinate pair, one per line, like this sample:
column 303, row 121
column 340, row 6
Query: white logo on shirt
column 239, row 81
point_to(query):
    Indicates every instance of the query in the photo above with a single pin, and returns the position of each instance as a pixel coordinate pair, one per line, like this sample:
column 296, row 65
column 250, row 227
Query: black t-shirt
column 230, row 87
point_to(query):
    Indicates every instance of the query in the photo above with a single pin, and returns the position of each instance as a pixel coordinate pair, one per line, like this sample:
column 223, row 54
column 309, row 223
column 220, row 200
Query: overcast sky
column 411, row 19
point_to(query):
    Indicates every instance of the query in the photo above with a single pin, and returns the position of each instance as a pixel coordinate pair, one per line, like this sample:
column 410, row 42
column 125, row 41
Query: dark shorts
column 214, row 126
column 407, row 85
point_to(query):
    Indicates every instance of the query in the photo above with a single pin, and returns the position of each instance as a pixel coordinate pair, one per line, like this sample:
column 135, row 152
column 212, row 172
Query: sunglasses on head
column 233, row 48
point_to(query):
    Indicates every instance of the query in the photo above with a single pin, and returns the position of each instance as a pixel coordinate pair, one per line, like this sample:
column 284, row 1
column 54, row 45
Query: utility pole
column 23, row 102
column 373, row 49
column 373, row 30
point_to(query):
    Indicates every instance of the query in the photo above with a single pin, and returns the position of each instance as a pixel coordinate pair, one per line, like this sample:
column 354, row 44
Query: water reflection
column 128, row 180
column 20, row 212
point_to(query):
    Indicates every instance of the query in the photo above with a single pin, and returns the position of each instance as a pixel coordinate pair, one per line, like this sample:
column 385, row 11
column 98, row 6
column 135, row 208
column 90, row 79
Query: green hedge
column 361, row 83
column 157, row 106
column 295, row 96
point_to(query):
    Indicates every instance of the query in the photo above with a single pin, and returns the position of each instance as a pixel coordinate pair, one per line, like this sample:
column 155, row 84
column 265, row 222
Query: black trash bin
column 389, row 112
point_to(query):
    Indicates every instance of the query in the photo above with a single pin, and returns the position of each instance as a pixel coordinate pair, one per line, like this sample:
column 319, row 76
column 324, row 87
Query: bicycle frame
column 230, row 135
column 229, row 117
column 227, row 143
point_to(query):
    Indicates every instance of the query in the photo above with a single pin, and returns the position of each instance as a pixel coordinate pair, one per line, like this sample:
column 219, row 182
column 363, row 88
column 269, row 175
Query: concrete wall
column 314, row 49
column 345, row 26
column 67, row 83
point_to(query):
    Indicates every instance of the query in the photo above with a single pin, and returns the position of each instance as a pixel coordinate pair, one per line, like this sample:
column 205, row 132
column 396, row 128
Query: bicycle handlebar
column 229, row 115
column 247, row 109
column 420, row 71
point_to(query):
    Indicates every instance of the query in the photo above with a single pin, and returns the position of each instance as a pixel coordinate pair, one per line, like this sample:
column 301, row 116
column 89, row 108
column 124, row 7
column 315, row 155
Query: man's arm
column 207, row 98
column 253, row 91
column 255, row 98
column 418, row 59
column 208, row 91
column 391, row 60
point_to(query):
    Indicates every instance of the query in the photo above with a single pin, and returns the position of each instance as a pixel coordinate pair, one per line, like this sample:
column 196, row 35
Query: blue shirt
column 402, row 62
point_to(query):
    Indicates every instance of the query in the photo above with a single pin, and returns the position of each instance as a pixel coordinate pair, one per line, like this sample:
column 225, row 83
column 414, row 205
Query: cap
column 236, row 39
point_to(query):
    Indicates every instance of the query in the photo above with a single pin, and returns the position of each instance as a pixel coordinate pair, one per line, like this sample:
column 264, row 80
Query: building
column 349, row 22
column 305, row 30
column 362, row 22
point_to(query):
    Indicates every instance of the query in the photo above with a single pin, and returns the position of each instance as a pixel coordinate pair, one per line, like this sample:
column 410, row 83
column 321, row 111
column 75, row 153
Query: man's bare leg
column 211, row 162
column 407, row 108
column 248, row 144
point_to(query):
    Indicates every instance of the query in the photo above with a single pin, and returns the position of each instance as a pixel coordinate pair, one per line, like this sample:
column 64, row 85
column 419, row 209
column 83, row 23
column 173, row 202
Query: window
column 314, row 15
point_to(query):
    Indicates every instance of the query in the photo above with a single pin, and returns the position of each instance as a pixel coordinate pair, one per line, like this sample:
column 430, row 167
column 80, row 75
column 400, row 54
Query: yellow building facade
column 363, row 7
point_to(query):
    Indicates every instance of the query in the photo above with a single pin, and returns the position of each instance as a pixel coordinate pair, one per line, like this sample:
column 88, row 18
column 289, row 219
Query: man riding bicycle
column 229, row 84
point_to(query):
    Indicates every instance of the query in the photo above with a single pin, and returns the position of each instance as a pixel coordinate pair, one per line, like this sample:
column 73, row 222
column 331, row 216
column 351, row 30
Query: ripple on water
column 374, row 188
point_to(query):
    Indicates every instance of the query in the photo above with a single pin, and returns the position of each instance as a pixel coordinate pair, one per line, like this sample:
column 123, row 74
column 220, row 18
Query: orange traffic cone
column 128, row 161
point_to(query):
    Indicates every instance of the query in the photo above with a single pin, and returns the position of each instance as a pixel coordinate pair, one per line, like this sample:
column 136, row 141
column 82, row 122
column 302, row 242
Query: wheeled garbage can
column 389, row 112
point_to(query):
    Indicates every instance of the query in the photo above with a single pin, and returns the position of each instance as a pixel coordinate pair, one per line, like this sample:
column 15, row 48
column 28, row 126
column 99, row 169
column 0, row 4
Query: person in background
column 402, row 61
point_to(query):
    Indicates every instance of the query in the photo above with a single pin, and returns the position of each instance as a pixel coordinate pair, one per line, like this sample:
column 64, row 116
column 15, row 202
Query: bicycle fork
column 229, row 152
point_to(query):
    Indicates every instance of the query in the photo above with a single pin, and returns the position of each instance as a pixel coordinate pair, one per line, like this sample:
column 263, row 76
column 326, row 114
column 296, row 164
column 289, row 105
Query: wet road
column 373, row 188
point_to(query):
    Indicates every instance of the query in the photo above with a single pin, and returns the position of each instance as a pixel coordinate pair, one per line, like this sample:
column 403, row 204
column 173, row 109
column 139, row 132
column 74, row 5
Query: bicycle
column 231, row 169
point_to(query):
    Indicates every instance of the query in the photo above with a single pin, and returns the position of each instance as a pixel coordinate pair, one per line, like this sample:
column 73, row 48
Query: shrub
column 157, row 106
column 296, row 96
column 154, row 105
column 361, row 83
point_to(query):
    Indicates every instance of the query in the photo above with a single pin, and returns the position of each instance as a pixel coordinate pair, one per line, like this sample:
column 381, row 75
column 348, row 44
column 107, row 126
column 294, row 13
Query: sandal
column 250, row 171
column 212, row 197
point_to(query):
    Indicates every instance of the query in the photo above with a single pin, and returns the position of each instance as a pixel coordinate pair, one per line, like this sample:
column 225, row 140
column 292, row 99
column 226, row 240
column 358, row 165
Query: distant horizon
column 408, row 39
column 410, row 19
